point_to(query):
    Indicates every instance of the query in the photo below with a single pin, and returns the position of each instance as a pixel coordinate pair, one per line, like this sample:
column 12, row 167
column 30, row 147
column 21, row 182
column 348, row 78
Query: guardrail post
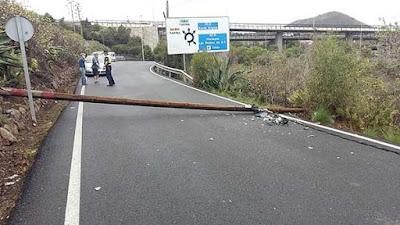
column 169, row 74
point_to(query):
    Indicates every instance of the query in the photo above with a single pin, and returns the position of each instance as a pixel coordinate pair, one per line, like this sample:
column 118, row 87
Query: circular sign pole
column 24, row 30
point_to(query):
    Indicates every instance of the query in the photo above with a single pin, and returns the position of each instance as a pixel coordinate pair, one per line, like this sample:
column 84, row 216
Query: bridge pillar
column 350, row 38
column 279, row 40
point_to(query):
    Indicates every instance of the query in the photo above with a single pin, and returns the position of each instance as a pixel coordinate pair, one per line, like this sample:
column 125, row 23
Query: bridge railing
column 256, row 26
column 304, row 27
column 172, row 73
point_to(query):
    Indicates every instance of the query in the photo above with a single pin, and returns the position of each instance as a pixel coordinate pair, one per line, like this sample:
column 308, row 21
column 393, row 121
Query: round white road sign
column 26, row 27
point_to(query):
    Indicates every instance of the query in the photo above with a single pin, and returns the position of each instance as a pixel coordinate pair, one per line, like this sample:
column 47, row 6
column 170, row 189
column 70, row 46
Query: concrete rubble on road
column 272, row 118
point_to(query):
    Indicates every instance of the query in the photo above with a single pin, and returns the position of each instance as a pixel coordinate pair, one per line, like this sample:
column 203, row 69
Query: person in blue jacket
column 82, row 69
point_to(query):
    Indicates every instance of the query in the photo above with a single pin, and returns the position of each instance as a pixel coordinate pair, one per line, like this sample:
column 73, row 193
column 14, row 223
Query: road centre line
column 289, row 117
column 74, row 187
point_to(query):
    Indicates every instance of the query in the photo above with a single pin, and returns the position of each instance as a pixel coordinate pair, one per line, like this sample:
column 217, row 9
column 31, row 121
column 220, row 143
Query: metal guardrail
column 173, row 73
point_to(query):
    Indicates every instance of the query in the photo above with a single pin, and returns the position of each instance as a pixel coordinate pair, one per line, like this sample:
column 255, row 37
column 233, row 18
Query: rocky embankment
column 20, row 141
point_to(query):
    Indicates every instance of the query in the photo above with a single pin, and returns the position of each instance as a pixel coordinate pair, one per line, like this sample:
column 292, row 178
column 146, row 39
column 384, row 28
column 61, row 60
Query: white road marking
column 343, row 132
column 288, row 117
column 74, row 187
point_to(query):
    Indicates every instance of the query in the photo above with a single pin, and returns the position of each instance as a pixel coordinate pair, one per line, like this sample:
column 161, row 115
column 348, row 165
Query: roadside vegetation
column 52, row 58
column 51, row 52
column 352, row 88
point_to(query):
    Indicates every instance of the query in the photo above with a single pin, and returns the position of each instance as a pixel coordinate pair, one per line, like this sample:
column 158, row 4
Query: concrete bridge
column 153, row 31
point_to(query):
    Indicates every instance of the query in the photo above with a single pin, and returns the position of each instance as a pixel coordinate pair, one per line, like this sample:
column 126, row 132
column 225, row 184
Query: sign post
column 86, row 45
column 184, row 62
column 20, row 29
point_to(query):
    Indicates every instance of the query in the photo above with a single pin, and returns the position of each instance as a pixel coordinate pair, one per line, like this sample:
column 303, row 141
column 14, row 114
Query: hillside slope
column 331, row 19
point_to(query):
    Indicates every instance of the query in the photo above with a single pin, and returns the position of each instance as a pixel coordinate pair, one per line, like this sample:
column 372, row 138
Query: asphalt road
column 174, row 166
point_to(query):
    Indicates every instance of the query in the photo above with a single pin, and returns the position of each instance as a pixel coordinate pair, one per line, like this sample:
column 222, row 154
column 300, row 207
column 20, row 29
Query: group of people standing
column 95, row 68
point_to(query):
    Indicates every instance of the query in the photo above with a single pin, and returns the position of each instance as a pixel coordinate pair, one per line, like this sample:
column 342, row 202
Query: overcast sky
column 254, row 11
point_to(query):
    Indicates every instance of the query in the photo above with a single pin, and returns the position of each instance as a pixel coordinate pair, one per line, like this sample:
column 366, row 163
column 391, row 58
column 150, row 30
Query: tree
column 334, row 73
column 123, row 35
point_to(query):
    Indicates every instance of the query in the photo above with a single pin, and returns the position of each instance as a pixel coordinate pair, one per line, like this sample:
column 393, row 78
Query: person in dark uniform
column 107, row 64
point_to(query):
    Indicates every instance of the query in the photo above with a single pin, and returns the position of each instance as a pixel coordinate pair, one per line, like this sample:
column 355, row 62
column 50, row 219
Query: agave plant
column 220, row 79
column 8, row 58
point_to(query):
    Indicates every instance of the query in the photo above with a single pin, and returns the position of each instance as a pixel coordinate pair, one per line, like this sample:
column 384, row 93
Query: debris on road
column 306, row 128
column 271, row 117
column 211, row 139
column 97, row 188
column 312, row 135
column 311, row 148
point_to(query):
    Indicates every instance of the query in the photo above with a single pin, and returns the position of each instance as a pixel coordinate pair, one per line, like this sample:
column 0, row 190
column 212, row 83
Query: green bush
column 374, row 108
column 392, row 134
column 333, row 77
column 297, row 98
column 323, row 116
column 220, row 78
column 293, row 50
column 275, row 77
column 202, row 64
column 246, row 55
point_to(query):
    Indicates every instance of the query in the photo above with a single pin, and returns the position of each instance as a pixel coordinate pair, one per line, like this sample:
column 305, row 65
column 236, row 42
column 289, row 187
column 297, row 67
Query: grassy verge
column 388, row 134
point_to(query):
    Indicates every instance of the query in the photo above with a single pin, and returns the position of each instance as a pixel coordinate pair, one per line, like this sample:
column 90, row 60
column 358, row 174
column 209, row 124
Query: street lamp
column 72, row 13
column 141, row 24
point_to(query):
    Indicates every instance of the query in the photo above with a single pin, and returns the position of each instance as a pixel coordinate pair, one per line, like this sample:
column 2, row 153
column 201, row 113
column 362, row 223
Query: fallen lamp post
column 138, row 102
